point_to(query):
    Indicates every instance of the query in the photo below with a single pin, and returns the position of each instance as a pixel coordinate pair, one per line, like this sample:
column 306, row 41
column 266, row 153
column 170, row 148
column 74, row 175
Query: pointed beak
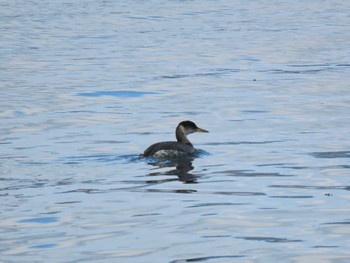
column 201, row 130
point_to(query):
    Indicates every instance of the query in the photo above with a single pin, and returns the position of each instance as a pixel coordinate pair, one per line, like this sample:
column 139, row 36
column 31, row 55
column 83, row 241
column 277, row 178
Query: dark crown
column 188, row 124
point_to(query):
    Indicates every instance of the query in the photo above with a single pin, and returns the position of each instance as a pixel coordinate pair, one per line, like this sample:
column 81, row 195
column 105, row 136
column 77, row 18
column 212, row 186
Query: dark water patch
column 312, row 187
column 248, row 173
column 271, row 239
column 51, row 213
column 39, row 220
column 72, row 163
column 272, row 164
column 253, row 111
column 331, row 155
column 72, row 181
column 30, row 147
column 237, row 193
column 180, row 113
column 10, row 157
column 336, row 167
column 296, row 167
column 142, row 185
column 102, row 37
column 338, row 223
column 148, row 214
column 344, row 166
column 68, row 202
column 343, row 65
column 192, row 191
column 241, row 120
column 33, row 163
column 176, row 76
column 241, row 142
column 156, row 181
column 44, row 246
column 325, row 246
column 18, row 184
column 318, row 67
column 160, row 181
column 176, row 191
column 210, row 214
column 86, row 191
column 309, row 65
column 129, row 188
column 309, row 132
column 216, row 204
column 135, row 182
column 292, row 196
column 140, row 133
column 77, row 111
column 301, row 71
column 201, row 259
column 151, row 18
column 215, row 73
column 117, row 93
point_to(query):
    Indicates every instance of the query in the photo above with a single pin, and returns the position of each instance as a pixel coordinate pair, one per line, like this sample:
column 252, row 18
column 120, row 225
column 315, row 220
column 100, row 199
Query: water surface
column 85, row 87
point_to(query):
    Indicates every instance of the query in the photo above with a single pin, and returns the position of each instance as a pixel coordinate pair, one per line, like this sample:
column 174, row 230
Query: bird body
column 181, row 147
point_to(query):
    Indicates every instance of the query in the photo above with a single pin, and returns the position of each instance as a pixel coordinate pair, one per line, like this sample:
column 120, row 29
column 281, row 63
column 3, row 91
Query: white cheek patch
column 186, row 131
column 183, row 130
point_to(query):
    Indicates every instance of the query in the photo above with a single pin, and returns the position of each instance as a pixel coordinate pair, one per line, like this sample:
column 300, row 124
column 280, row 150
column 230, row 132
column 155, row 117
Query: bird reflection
column 182, row 169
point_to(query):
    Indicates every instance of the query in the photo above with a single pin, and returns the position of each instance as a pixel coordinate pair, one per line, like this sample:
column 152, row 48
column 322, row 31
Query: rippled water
column 86, row 86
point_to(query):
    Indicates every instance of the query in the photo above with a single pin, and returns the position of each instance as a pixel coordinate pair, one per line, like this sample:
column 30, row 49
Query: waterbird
column 183, row 147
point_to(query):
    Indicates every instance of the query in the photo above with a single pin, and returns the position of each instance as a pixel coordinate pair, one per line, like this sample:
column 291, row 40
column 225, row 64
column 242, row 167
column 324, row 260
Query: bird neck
column 181, row 136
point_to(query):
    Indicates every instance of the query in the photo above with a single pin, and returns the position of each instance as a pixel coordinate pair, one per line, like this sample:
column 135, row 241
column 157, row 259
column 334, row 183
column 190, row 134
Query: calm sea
column 86, row 86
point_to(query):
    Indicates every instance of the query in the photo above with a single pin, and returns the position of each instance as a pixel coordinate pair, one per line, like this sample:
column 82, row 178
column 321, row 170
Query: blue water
column 85, row 87
column 116, row 93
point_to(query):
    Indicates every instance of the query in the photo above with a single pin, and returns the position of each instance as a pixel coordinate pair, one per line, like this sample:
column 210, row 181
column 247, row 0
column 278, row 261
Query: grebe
column 183, row 147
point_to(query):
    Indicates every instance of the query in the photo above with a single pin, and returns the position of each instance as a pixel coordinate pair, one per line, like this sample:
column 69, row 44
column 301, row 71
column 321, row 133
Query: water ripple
column 331, row 155
column 216, row 73
column 248, row 173
column 200, row 259
column 216, row 204
column 317, row 187
column 117, row 93
column 39, row 220
column 307, row 68
column 292, row 196
column 270, row 239
column 44, row 246
column 338, row 223
column 242, row 142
